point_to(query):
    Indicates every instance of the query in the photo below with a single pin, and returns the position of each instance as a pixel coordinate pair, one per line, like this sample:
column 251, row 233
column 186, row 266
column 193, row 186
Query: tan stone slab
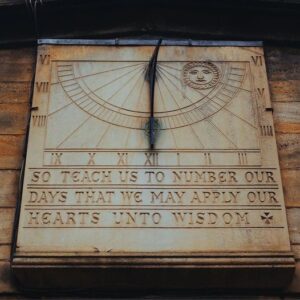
column 209, row 184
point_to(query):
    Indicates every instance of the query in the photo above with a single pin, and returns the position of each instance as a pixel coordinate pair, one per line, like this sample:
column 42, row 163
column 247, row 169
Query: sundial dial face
column 188, row 95
column 94, row 186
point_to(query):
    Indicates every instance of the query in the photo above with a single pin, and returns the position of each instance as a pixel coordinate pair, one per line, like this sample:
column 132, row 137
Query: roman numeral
column 123, row 158
column 257, row 60
column 45, row 59
column 56, row 158
column 42, row 86
column 266, row 130
column 39, row 120
column 91, row 158
column 151, row 159
column 261, row 92
column 207, row 158
column 242, row 158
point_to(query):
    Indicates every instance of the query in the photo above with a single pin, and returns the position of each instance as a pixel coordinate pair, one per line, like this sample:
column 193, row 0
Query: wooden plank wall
column 16, row 75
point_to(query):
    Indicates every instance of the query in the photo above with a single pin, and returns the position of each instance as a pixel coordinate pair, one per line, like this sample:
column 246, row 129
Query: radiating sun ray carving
column 117, row 95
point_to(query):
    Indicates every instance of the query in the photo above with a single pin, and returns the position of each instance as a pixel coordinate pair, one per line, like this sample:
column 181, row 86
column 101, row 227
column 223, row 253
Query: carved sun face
column 200, row 75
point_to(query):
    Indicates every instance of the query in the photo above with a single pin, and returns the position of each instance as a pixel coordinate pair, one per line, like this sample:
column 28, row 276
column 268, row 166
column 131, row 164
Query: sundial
column 152, row 156
column 187, row 96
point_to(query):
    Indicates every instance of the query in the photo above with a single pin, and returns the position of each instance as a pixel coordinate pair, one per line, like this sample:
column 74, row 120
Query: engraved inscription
column 210, row 184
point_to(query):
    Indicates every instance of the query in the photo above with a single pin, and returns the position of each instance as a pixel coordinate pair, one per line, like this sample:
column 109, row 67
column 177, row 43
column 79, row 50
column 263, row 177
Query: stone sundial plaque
column 203, row 208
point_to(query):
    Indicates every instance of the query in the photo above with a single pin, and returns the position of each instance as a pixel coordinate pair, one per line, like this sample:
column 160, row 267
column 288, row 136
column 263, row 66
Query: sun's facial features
column 200, row 75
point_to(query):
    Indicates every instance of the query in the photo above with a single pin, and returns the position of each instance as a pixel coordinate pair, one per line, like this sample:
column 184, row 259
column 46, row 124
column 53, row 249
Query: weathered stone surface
column 202, row 179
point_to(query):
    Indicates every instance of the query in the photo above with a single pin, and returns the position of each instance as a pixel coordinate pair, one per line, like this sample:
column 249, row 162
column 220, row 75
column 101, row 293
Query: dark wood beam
column 268, row 20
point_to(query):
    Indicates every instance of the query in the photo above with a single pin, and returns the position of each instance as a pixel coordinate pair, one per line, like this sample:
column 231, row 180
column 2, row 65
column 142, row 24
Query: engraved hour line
column 232, row 113
column 193, row 104
column 203, row 95
column 92, row 92
column 105, row 132
column 141, row 89
column 132, row 88
column 180, row 90
column 97, row 73
column 136, row 83
column 249, row 91
column 87, row 99
column 218, row 129
column 162, row 98
column 127, row 137
column 112, row 81
column 190, row 126
column 207, row 119
column 67, row 137
column 164, row 107
column 109, row 125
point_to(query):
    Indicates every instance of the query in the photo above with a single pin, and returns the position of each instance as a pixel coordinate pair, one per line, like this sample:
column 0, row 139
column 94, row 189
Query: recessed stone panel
column 207, row 195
